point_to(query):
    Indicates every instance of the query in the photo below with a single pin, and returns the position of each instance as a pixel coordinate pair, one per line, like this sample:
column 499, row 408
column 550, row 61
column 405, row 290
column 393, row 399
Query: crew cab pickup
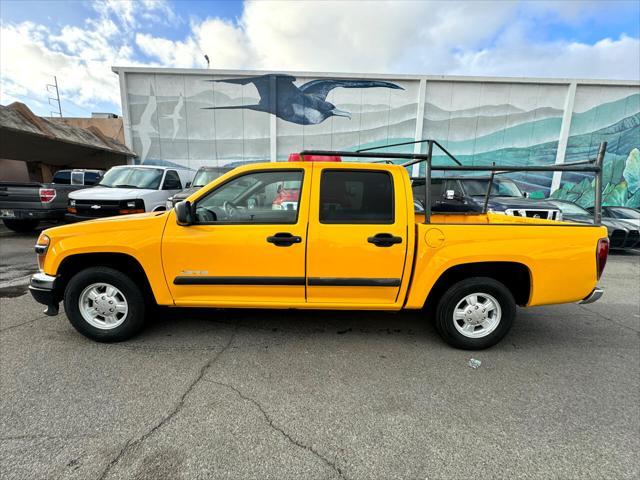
column 24, row 205
column 351, row 241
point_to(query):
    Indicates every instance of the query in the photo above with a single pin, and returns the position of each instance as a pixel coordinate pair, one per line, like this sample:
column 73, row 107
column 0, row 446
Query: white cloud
column 606, row 59
column 80, row 56
column 432, row 37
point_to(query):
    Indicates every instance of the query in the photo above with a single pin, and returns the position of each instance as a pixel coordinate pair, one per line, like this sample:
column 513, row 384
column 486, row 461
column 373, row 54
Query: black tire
column 21, row 226
column 133, row 320
column 445, row 323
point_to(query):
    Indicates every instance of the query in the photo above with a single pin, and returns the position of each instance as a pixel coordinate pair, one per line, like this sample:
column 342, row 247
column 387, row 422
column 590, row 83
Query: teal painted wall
column 196, row 119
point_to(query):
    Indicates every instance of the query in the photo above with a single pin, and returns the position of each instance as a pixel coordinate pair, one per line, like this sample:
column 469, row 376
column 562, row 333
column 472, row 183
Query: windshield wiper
column 124, row 185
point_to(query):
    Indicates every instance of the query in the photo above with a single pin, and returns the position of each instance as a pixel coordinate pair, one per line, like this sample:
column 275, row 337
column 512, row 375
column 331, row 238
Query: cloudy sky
column 79, row 41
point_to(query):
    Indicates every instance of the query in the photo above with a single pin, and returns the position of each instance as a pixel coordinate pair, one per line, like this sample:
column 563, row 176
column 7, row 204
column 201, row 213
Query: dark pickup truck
column 467, row 194
column 24, row 205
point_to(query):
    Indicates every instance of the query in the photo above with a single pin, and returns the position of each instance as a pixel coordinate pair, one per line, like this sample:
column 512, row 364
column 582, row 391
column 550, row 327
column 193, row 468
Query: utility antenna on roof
column 56, row 99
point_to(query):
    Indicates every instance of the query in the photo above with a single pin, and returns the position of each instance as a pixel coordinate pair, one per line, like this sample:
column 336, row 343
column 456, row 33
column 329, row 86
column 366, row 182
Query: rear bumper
column 594, row 296
column 28, row 214
column 44, row 290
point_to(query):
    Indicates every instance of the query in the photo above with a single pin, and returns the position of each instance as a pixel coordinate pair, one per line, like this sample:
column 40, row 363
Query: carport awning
column 25, row 136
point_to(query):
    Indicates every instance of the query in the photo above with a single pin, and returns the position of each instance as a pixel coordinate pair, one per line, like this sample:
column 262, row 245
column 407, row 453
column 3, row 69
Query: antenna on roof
column 57, row 97
column 206, row 57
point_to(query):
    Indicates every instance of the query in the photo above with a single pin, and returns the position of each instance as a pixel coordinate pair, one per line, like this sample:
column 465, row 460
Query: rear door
column 357, row 240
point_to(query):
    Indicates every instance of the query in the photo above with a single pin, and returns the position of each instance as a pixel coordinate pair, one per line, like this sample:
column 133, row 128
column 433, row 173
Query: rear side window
column 356, row 196
column 62, row 177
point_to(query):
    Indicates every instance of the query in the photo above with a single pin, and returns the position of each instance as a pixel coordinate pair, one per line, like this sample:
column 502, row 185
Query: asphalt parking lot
column 355, row 395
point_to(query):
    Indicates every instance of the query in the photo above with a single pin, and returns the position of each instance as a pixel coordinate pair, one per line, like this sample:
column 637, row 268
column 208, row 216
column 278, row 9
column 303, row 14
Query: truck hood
column 186, row 193
column 120, row 224
column 108, row 193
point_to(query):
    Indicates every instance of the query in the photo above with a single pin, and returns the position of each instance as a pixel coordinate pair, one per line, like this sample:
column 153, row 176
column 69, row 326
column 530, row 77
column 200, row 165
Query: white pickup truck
column 128, row 189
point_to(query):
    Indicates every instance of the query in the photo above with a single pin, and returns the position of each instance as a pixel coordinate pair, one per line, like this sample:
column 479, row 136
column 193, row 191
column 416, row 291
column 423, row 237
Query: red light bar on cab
column 296, row 157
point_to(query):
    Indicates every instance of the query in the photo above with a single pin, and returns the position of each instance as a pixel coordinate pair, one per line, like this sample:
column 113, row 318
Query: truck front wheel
column 475, row 313
column 104, row 304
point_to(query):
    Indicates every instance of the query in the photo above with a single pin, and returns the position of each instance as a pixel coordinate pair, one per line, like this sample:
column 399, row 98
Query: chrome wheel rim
column 477, row 315
column 103, row 306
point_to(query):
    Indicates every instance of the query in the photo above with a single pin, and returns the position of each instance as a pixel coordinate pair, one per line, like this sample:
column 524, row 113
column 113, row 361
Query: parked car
column 128, row 189
column 203, row 176
column 348, row 239
column 621, row 235
column 624, row 214
column 24, row 205
column 466, row 194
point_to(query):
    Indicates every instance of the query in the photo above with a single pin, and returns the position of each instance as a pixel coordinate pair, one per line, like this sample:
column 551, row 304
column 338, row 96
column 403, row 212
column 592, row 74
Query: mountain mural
column 194, row 120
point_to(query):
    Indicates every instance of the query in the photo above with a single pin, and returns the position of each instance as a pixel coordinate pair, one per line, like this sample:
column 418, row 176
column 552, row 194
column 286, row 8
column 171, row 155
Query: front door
column 357, row 238
column 246, row 245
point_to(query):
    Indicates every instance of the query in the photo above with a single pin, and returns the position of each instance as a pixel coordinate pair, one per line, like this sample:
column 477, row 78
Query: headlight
column 42, row 245
column 131, row 204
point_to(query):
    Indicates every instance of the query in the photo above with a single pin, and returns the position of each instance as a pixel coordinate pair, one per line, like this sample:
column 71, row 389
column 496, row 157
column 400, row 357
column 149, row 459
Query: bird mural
column 175, row 116
column 144, row 127
column 303, row 105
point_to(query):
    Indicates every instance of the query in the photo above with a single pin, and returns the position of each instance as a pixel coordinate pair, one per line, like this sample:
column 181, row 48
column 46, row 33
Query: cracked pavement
column 324, row 395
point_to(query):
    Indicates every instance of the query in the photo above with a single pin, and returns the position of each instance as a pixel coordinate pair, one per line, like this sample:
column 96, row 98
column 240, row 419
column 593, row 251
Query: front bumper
column 44, row 290
column 594, row 296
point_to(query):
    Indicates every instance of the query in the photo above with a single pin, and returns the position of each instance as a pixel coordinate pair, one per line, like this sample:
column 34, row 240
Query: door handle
column 384, row 240
column 284, row 239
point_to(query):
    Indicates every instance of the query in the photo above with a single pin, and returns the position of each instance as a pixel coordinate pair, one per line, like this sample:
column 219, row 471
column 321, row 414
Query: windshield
column 132, row 178
column 500, row 188
column 571, row 208
column 626, row 213
column 208, row 175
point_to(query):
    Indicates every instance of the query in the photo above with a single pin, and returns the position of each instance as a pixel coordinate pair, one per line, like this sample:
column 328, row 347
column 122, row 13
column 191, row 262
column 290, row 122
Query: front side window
column 127, row 177
column 356, row 196
column 172, row 181
column 90, row 178
column 259, row 197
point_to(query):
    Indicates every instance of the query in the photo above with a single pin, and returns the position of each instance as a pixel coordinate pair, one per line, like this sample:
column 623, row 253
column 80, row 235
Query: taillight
column 602, row 252
column 47, row 194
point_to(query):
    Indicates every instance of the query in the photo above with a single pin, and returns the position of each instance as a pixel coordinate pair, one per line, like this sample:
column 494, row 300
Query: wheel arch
column 125, row 263
column 515, row 276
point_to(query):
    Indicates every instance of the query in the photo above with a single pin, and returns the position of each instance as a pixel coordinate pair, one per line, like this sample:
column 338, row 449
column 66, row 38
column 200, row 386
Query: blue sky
column 80, row 40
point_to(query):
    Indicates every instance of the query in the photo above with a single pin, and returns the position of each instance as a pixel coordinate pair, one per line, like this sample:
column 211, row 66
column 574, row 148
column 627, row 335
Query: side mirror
column 527, row 194
column 184, row 214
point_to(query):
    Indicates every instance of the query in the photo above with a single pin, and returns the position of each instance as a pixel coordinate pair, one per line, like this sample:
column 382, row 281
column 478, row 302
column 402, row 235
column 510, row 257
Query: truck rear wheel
column 21, row 226
column 104, row 304
column 475, row 313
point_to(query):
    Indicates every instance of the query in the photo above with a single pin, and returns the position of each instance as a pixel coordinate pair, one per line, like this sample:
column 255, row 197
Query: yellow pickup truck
column 316, row 235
